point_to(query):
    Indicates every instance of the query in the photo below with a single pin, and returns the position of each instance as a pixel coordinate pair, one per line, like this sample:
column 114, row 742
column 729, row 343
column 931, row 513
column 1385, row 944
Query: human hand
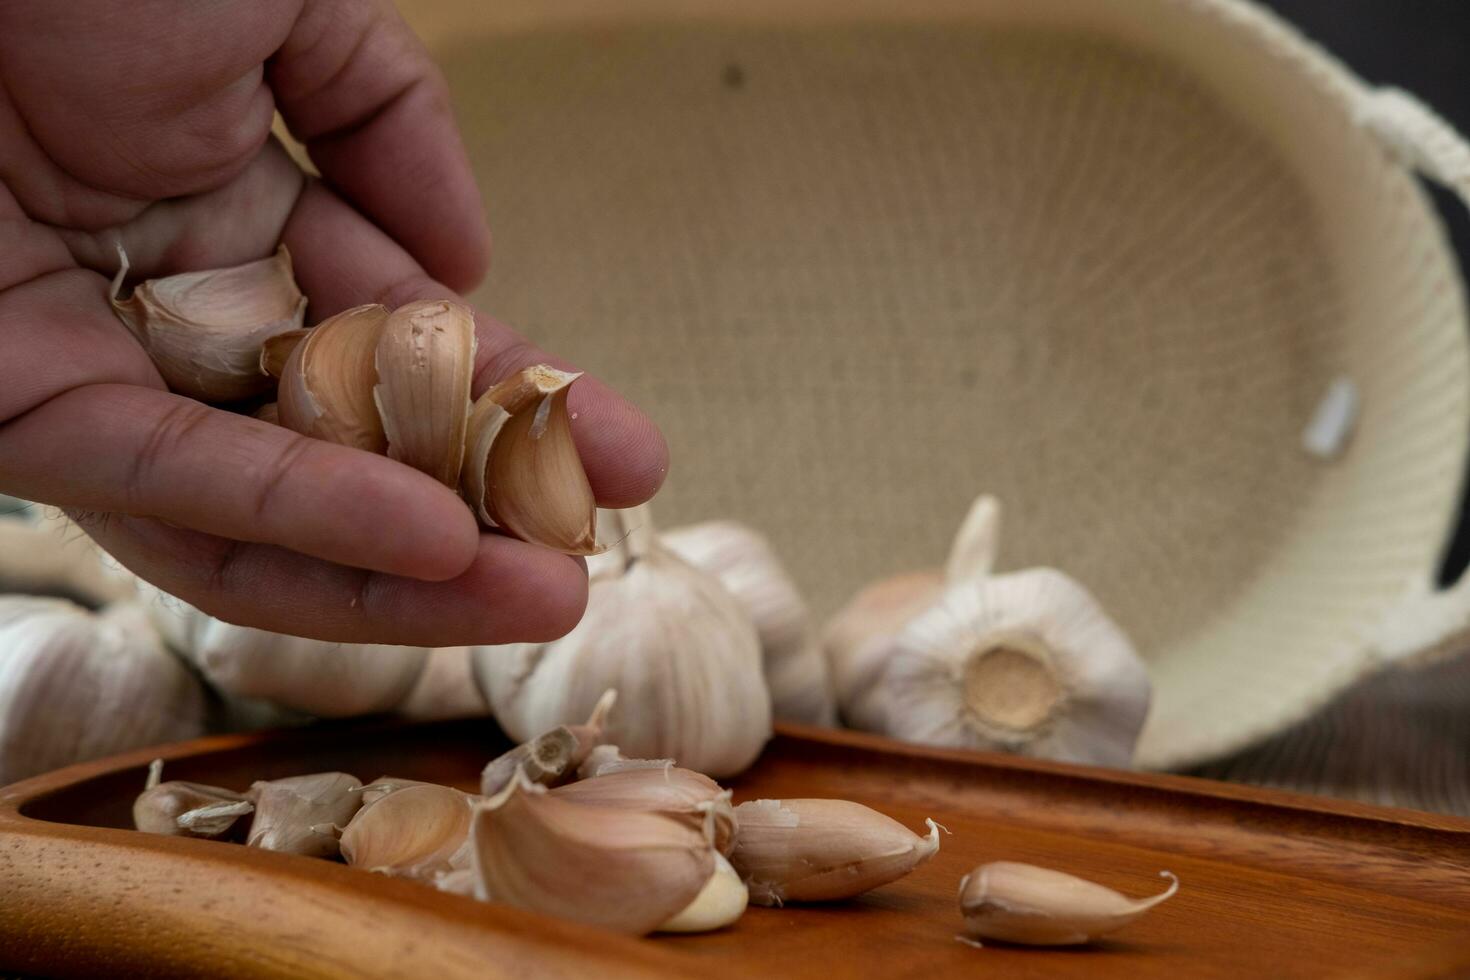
column 149, row 123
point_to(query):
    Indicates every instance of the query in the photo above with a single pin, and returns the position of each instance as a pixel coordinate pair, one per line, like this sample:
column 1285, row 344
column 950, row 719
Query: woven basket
column 1102, row 259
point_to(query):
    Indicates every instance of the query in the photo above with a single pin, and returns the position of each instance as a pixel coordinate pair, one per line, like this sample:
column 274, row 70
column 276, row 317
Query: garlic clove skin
column 204, row 330
column 973, row 552
column 665, row 789
column 303, row 814
column 671, row 640
column 420, row 832
column 183, row 809
column 269, row 412
column 719, row 903
column 77, row 685
column 326, row 388
column 276, row 351
column 521, row 469
column 624, row 870
column 858, row 643
column 746, row 564
column 425, row 361
column 822, row 850
column 1022, row 903
column 1026, row 662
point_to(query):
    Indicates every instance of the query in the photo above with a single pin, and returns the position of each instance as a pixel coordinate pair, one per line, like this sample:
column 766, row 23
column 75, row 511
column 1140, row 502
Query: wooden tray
column 1272, row 884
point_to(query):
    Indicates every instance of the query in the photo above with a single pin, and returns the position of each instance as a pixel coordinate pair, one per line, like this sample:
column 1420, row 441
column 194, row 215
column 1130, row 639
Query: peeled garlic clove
column 276, row 351
column 719, row 903
column 77, row 685
column 744, row 562
column 326, row 389
column 418, row 831
column 858, row 641
column 303, row 814
column 670, row 639
column 521, row 468
column 541, row 760
column 425, row 361
column 679, row 794
column 972, row 555
column 822, row 850
column 204, row 330
column 1021, row 903
column 624, row 870
column 1026, row 662
column 182, row 809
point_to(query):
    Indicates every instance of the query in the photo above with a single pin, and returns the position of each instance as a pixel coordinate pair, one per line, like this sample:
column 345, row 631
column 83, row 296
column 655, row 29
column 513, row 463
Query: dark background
column 1422, row 46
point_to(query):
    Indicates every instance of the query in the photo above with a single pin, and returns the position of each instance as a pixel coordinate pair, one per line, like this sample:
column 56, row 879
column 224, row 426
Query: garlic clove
column 303, row 814
column 425, row 362
column 204, row 330
column 609, row 758
column 269, row 412
column 1021, row 903
column 276, row 351
column 678, row 648
column 383, row 785
column 822, row 850
column 182, row 809
column 326, row 389
column 624, row 870
column 679, row 794
column 419, row 831
column 1026, row 662
column 719, row 903
column 746, row 564
column 541, row 760
column 972, row 554
column 857, row 642
column 592, row 732
column 81, row 685
column 521, row 468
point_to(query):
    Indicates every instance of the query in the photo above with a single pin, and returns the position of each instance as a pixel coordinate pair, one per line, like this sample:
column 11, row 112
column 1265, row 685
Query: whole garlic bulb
column 676, row 645
column 745, row 563
column 1026, row 662
column 329, row 680
column 77, row 685
column 53, row 556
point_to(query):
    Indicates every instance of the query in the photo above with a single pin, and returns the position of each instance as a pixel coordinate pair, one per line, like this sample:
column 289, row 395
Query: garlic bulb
column 1021, row 903
column 327, row 382
column 75, row 685
column 445, row 689
column 822, row 850
column 625, row 870
column 680, row 794
column 425, row 360
column 419, row 831
column 303, row 814
column 53, row 556
column 204, row 330
column 329, row 680
column 522, row 471
column 181, row 809
column 676, row 645
column 1026, row 662
column 719, row 903
column 858, row 642
column 744, row 562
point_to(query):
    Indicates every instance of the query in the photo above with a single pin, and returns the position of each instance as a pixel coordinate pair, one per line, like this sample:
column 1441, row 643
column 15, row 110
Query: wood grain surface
column 1272, row 884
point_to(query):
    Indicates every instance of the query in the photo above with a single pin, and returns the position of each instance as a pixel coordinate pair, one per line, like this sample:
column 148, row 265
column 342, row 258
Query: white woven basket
column 1103, row 259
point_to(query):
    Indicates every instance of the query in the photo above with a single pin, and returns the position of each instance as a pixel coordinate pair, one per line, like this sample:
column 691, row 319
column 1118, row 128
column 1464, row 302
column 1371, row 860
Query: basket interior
column 860, row 273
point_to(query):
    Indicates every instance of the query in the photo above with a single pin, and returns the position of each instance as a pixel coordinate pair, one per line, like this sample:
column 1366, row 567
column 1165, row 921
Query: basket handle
column 1428, row 623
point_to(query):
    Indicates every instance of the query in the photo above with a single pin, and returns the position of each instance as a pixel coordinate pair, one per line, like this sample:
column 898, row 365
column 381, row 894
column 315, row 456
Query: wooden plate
column 1272, row 884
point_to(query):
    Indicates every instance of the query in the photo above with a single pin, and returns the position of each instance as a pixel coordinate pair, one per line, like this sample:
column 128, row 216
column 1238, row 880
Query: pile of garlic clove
column 1025, row 662
column 564, row 825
